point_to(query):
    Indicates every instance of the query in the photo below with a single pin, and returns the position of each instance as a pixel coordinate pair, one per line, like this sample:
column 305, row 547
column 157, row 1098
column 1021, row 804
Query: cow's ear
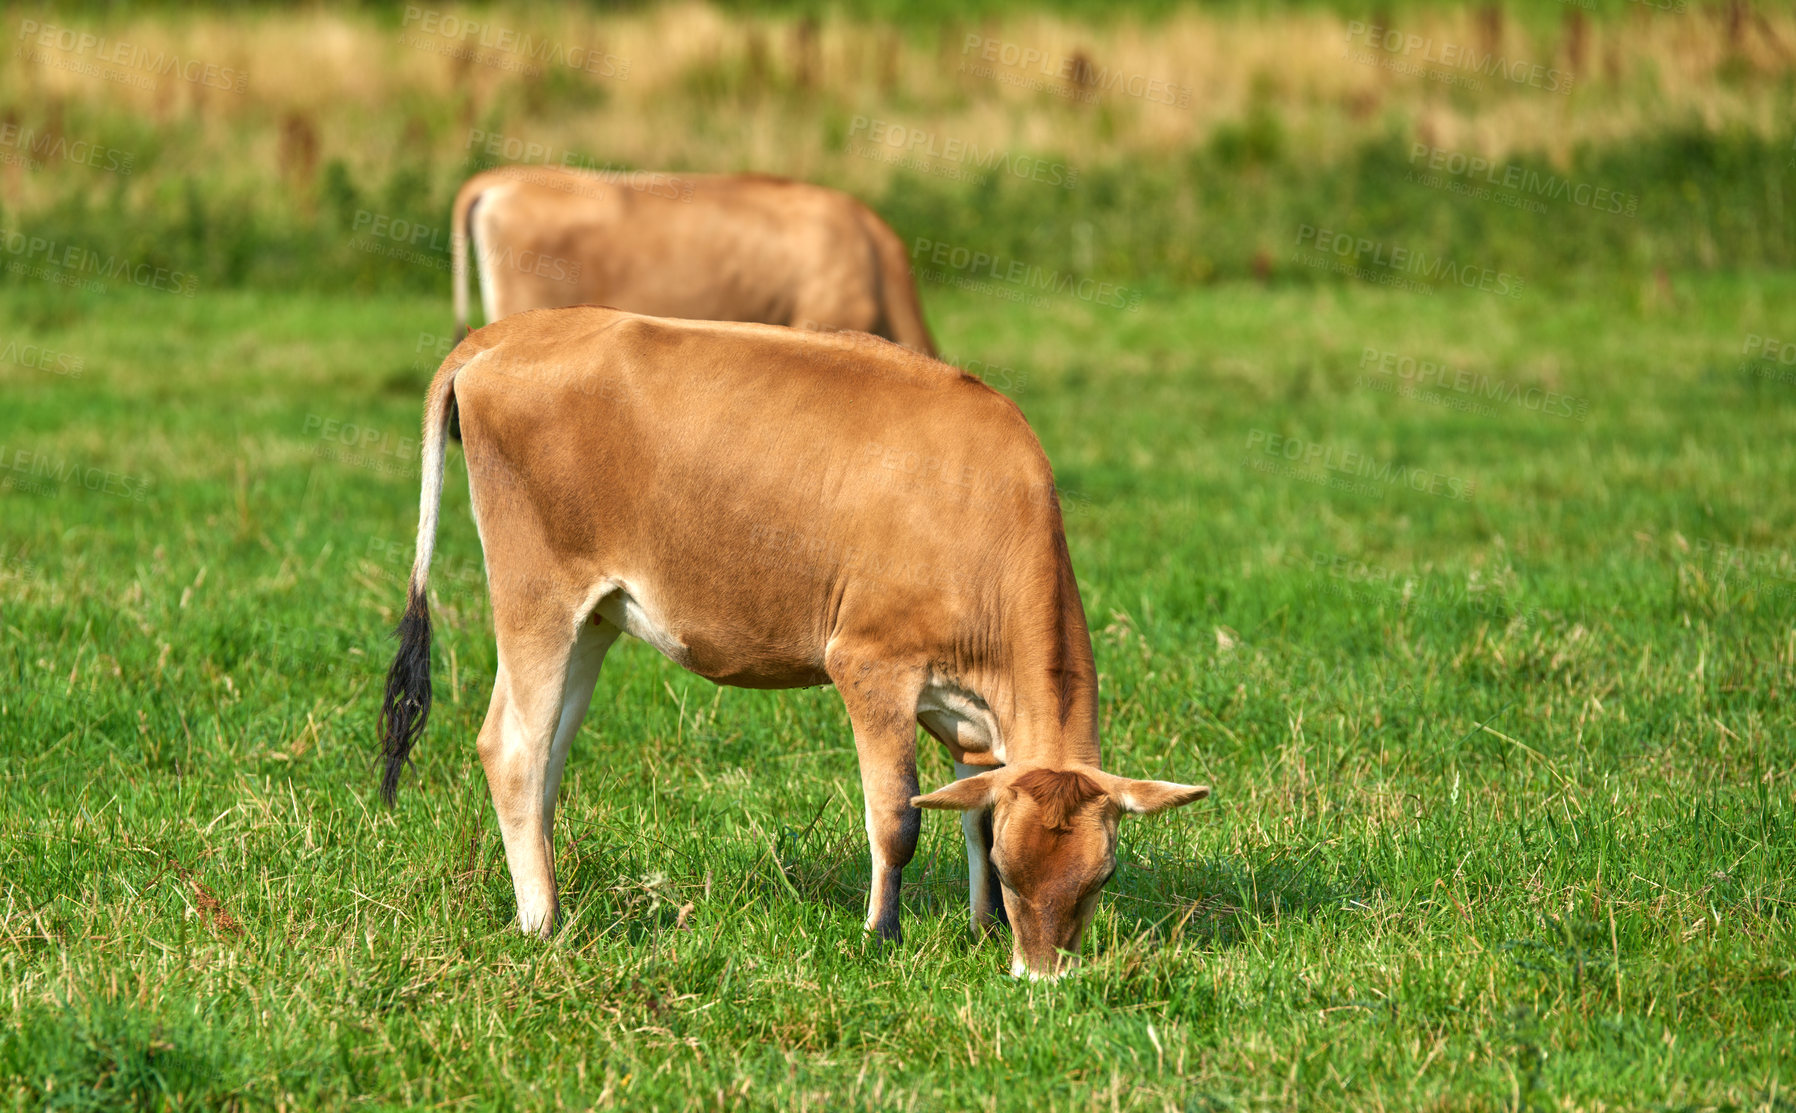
column 1149, row 797
column 966, row 795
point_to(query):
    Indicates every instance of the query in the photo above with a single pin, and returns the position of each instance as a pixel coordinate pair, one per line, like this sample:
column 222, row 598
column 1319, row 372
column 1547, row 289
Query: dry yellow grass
column 689, row 87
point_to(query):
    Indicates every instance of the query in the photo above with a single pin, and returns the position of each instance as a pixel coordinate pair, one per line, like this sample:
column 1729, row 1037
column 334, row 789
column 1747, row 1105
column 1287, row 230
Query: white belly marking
column 623, row 606
column 952, row 711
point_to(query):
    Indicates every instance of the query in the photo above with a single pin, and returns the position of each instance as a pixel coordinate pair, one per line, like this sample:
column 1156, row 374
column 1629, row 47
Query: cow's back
column 767, row 487
column 704, row 247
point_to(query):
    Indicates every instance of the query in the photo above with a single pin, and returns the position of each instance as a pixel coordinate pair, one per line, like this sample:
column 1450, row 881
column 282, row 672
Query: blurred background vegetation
column 329, row 121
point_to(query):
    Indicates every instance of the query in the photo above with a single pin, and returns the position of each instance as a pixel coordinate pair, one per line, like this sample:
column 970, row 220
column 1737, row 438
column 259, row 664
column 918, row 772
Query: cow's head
column 1054, row 845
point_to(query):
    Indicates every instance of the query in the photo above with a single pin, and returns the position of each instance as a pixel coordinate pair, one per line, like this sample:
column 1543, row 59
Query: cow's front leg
column 982, row 877
column 887, row 786
column 882, row 705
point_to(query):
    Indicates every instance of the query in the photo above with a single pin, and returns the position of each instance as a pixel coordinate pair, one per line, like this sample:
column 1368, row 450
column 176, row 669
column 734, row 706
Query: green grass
column 1685, row 199
column 1503, row 784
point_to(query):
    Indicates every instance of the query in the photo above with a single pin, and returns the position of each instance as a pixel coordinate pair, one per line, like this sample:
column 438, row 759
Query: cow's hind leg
column 882, row 704
column 982, row 876
column 523, row 743
column 984, row 891
column 582, row 674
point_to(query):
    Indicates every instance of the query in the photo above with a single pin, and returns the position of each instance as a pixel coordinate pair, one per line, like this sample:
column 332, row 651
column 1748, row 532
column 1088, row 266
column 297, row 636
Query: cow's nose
column 1061, row 965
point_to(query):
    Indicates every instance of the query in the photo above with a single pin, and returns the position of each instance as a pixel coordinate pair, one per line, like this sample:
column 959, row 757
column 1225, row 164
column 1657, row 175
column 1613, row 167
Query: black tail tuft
column 407, row 705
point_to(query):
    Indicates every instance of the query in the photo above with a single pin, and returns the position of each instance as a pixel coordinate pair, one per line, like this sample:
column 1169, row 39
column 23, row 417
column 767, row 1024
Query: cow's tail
column 407, row 705
column 902, row 310
column 461, row 238
column 460, row 233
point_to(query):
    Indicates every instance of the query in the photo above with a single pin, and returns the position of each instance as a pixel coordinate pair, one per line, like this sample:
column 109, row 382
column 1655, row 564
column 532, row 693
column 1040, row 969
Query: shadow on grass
column 1154, row 896
column 616, row 890
column 1218, row 900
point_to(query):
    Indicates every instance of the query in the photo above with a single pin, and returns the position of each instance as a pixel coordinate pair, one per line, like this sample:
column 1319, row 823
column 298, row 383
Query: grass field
column 1492, row 681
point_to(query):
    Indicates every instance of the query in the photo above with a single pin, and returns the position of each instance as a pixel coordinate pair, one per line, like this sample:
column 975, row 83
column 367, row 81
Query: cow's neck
column 1034, row 735
column 1054, row 699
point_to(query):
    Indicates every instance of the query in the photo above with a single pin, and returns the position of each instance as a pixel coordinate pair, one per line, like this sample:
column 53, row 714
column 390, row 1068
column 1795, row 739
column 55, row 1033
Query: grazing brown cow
column 773, row 508
column 711, row 247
